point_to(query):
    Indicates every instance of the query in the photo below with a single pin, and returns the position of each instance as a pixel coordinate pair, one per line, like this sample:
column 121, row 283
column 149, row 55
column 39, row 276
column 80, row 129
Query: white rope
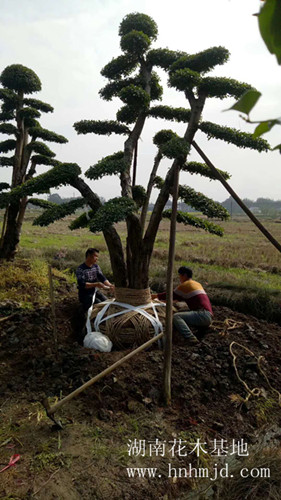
column 157, row 325
column 88, row 322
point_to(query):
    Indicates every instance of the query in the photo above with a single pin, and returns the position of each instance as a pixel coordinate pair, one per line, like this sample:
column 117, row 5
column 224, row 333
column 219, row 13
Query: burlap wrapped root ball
column 130, row 329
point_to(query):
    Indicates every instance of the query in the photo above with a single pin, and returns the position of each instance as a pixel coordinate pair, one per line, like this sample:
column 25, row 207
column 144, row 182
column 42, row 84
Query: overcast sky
column 67, row 42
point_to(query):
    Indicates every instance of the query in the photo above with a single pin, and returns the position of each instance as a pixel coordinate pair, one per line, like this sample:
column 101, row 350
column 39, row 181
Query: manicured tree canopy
column 26, row 151
column 132, row 78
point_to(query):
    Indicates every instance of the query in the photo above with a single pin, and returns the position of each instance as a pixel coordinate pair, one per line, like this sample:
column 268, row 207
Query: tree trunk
column 12, row 234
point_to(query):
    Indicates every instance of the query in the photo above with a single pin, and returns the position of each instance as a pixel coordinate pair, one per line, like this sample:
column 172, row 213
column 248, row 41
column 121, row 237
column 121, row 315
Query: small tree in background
column 19, row 120
column 132, row 78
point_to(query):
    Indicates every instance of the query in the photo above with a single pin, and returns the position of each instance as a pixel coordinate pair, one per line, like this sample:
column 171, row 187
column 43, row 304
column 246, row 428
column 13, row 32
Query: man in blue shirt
column 90, row 279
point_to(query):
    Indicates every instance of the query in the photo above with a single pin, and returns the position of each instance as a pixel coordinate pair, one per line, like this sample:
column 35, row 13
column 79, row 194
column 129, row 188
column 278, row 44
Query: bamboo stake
column 51, row 290
column 51, row 410
column 236, row 198
column 3, row 228
column 169, row 294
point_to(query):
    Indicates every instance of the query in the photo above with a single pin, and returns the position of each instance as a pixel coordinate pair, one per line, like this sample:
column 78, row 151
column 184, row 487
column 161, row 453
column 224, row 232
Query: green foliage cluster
column 44, row 160
column 29, row 113
column 56, row 212
column 113, row 88
column 46, row 135
column 176, row 147
column 163, row 58
column 40, row 105
column 135, row 43
column 184, row 79
column 40, row 148
column 8, row 145
column 194, row 167
column 139, row 195
column 110, row 165
column 6, row 161
column 133, row 95
column 191, row 220
column 114, row 210
column 38, row 202
column 163, row 136
column 139, row 22
column 203, row 61
column 4, row 185
column 169, row 113
column 100, row 127
column 127, row 114
column 83, row 220
column 202, row 203
column 223, row 87
column 21, row 79
column 233, row 136
column 119, row 66
column 8, row 128
column 60, row 175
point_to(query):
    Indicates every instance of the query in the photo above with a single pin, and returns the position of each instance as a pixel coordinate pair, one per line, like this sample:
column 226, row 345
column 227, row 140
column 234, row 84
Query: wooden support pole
column 169, row 294
column 51, row 410
column 51, row 290
column 236, row 198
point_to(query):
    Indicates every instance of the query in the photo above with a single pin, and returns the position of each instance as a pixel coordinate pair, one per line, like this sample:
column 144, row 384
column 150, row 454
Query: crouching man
column 200, row 310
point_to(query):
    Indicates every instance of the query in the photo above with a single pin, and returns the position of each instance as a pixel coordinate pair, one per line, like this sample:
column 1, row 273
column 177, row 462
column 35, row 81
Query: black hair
column 91, row 251
column 185, row 270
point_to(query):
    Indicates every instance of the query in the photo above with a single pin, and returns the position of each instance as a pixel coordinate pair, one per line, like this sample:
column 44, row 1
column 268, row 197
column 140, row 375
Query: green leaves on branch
column 40, row 105
column 46, row 135
column 45, row 160
column 40, row 148
column 184, row 79
column 194, row 167
column 83, row 220
column 202, row 203
column 8, row 128
column 191, row 220
column 119, row 66
column 57, row 212
column 163, row 58
column 38, row 202
column 112, row 89
column 10, row 100
column 230, row 135
column 169, row 113
column 127, row 114
column 21, row 79
column 139, row 195
column 266, row 126
column 110, row 165
column 6, row 161
column 114, row 210
column 171, row 145
column 8, row 145
column 135, row 96
column 105, row 127
column 135, row 43
column 222, row 87
column 4, row 185
column 269, row 24
column 139, row 22
column 58, row 176
column 202, row 62
column 29, row 113
column 247, row 101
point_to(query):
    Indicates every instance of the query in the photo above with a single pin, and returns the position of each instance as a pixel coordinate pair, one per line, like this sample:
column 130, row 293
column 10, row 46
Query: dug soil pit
column 120, row 424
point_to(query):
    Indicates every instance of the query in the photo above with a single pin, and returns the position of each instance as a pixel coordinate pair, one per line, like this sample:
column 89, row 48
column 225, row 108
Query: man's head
column 185, row 273
column 92, row 255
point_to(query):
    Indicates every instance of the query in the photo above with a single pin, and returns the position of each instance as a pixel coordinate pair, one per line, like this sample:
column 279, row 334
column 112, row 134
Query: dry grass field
column 242, row 269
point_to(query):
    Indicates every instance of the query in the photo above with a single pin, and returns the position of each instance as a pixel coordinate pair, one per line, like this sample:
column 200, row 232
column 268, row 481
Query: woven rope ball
column 130, row 329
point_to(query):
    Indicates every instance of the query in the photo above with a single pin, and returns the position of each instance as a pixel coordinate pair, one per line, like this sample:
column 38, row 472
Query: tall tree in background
column 132, row 78
column 19, row 120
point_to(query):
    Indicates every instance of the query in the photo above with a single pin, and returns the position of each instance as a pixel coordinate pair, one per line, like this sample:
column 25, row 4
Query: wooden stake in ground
column 169, row 294
column 51, row 289
column 236, row 198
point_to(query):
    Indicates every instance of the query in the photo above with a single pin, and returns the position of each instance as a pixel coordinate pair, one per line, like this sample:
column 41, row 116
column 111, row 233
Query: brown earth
column 89, row 458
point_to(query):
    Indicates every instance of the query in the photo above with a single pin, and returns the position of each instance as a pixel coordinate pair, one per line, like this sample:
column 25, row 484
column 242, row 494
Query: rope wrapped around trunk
column 131, row 319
